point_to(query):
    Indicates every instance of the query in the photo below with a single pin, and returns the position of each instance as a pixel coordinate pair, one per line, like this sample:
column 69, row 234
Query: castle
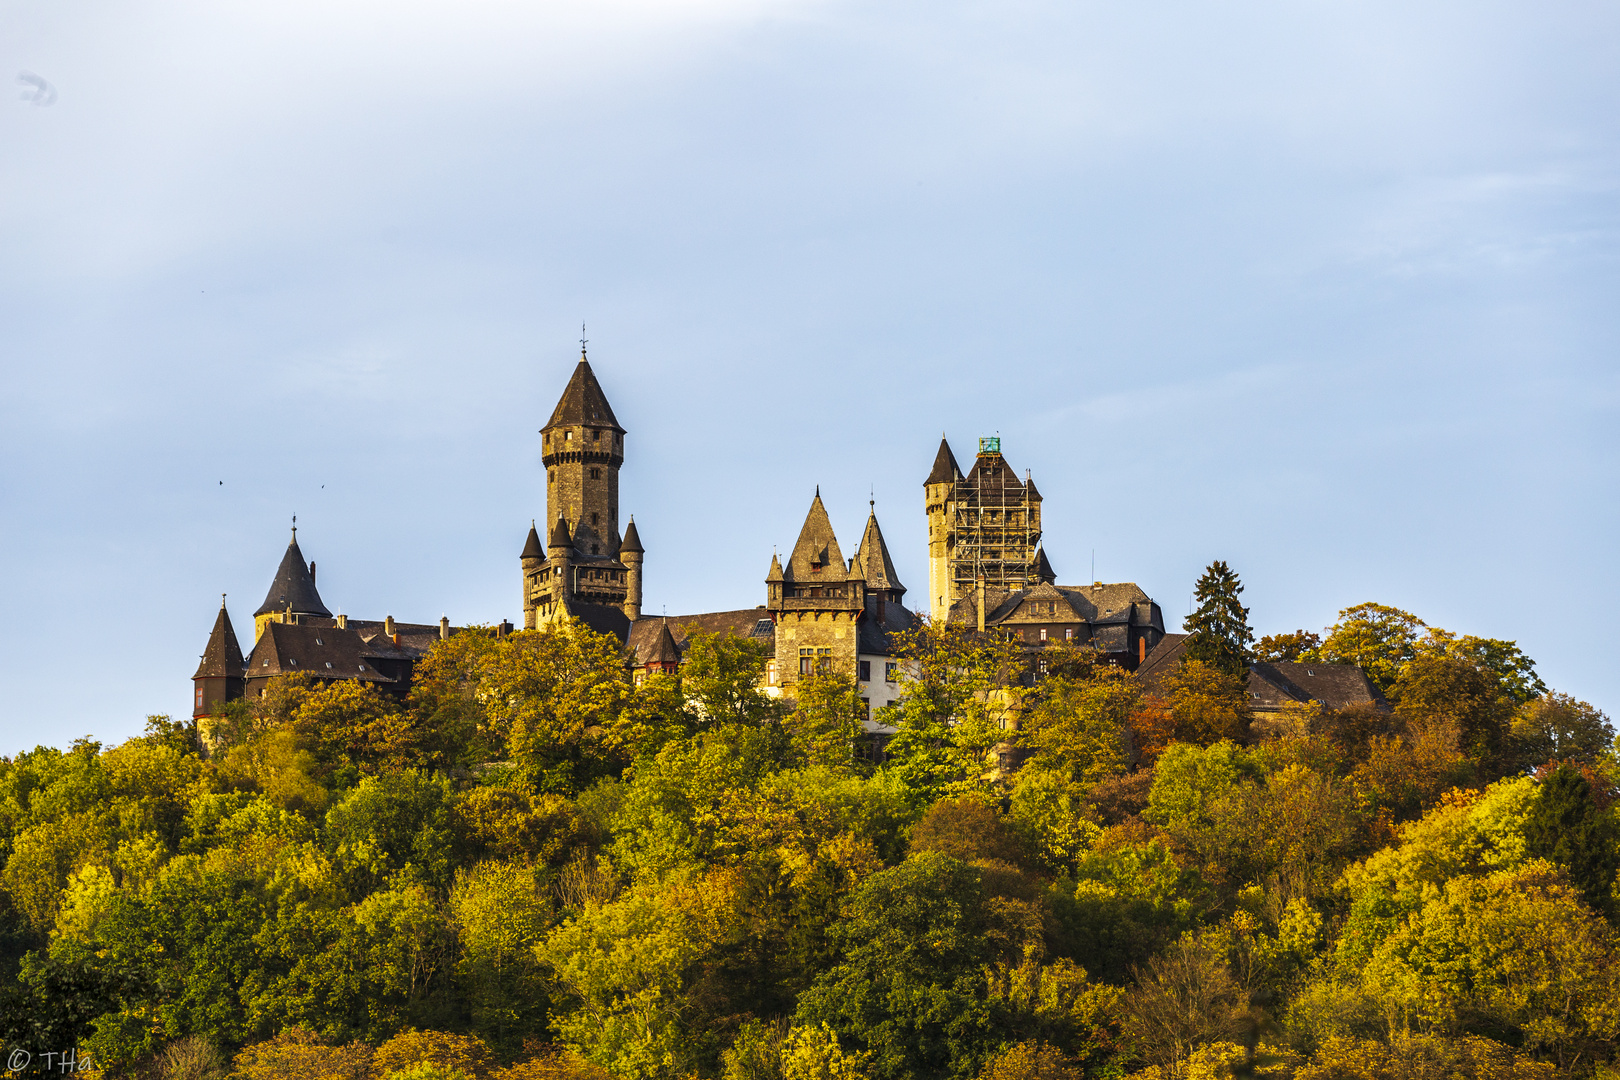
column 987, row 568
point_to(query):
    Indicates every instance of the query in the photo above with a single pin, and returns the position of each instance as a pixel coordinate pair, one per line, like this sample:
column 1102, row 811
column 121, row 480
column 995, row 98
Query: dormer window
column 318, row 641
column 568, row 436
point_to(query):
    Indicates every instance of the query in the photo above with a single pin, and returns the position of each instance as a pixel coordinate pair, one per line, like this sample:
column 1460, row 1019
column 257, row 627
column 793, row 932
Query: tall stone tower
column 816, row 602
column 582, row 448
column 982, row 526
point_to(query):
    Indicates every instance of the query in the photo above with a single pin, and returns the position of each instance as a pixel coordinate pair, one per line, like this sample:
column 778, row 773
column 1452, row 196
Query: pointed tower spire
column 293, row 588
column 945, row 467
column 872, row 559
column 219, row 676
column 531, row 547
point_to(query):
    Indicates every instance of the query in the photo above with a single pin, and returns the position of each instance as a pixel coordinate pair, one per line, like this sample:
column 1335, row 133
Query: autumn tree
column 1288, row 648
column 1219, row 626
column 1378, row 639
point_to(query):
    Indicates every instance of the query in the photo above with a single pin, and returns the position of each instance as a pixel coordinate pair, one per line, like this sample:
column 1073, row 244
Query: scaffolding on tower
column 993, row 525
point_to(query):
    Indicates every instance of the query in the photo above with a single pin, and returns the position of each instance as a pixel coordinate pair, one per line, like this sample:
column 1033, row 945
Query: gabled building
column 982, row 526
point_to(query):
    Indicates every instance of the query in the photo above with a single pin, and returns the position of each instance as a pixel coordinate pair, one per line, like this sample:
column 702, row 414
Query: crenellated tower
column 582, row 449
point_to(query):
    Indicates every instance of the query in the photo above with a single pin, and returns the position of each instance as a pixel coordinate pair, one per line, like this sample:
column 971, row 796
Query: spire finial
column 818, row 491
column 582, row 340
column 222, row 601
column 295, row 529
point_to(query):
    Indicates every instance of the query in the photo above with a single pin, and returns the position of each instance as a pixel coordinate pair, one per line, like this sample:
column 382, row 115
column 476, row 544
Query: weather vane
column 582, row 340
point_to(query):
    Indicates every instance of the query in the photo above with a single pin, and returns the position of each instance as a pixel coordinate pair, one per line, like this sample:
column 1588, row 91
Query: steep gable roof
column 293, row 586
column 222, row 658
column 1043, row 566
column 872, row 559
column 945, row 468
column 583, row 402
column 817, row 545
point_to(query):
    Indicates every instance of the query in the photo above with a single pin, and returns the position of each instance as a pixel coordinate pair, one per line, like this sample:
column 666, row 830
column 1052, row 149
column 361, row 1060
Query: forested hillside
column 536, row 867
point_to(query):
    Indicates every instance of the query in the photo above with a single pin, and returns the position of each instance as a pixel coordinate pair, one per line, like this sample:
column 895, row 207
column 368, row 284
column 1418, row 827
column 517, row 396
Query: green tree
column 1566, row 827
column 722, row 675
column 826, row 719
column 908, row 987
column 1438, row 690
column 1083, row 726
column 500, row 919
column 1378, row 639
column 961, row 694
column 1219, row 626
column 1556, row 727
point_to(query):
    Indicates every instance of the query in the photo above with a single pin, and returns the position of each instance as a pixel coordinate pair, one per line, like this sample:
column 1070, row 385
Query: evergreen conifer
column 1220, row 626
column 1565, row 826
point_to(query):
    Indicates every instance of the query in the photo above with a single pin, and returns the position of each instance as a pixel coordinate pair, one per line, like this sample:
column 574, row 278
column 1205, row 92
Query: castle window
column 890, row 672
column 1043, row 633
column 866, row 671
column 594, row 550
column 596, row 436
column 1068, row 634
column 199, row 697
column 596, row 474
column 807, row 661
column 823, row 659
column 770, row 673
column 551, row 476
column 593, row 516
column 568, row 436
column 866, row 706
column 329, row 663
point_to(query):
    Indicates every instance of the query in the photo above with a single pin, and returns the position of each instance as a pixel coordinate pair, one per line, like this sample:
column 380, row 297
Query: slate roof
column 418, row 637
column 1043, row 566
column 651, row 642
column 817, row 543
column 583, row 402
column 531, row 546
column 872, row 559
column 222, row 658
column 752, row 622
column 603, row 618
column 1117, row 604
column 322, row 651
column 874, row 635
column 1337, row 686
column 1164, row 658
column 293, row 585
column 632, row 538
column 945, row 468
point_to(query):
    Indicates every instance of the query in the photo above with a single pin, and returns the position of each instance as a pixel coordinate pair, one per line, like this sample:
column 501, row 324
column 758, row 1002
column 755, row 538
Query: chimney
column 388, row 625
column 1141, row 650
column 978, row 597
column 444, row 628
column 312, row 571
column 343, row 622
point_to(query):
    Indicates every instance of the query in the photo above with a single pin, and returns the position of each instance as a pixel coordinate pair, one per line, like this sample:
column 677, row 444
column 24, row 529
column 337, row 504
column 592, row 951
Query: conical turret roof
column 632, row 539
column 775, row 572
column 223, row 656
column 945, row 467
column 817, row 546
column 294, row 586
column 873, row 561
column 1043, row 567
column 583, row 402
column 560, row 540
column 531, row 547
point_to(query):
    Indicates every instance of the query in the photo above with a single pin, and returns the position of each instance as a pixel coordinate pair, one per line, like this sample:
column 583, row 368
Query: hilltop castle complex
column 987, row 568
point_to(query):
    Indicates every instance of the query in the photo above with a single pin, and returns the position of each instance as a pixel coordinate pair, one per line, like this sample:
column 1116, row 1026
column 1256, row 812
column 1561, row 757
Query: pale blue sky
column 1329, row 291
